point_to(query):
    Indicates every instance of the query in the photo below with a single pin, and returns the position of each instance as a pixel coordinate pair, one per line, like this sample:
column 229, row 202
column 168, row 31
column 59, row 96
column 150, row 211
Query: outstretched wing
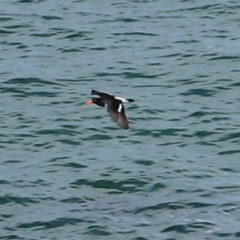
column 120, row 119
column 102, row 94
column 117, row 113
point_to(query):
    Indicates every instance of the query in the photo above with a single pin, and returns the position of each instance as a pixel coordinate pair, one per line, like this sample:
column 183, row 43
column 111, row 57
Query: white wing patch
column 122, row 99
column 120, row 108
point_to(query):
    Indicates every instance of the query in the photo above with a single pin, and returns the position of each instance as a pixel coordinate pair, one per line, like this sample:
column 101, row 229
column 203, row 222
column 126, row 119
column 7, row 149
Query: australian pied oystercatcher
column 114, row 106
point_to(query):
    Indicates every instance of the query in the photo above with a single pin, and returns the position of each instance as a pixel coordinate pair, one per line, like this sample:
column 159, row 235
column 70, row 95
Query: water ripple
column 174, row 173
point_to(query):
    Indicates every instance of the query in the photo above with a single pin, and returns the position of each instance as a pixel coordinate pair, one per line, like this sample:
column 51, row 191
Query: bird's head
column 98, row 101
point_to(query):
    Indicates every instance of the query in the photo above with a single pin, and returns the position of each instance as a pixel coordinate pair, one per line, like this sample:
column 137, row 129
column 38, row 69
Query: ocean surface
column 67, row 171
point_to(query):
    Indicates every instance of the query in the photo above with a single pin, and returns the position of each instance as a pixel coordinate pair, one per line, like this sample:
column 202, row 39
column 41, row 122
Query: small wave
column 128, row 185
column 97, row 230
column 60, row 222
column 189, row 227
column 6, row 199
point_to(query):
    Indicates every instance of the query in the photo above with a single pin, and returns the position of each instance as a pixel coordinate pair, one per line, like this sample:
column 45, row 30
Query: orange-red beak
column 88, row 102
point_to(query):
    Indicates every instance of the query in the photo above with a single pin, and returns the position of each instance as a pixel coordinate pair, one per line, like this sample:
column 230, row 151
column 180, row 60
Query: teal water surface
column 69, row 172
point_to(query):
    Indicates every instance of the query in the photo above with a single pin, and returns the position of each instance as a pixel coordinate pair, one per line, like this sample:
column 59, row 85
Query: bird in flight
column 114, row 106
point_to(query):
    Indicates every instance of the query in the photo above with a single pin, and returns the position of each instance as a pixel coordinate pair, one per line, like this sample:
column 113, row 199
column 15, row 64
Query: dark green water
column 68, row 172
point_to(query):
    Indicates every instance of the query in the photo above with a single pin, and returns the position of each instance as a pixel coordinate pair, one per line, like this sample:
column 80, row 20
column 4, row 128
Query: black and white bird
column 114, row 106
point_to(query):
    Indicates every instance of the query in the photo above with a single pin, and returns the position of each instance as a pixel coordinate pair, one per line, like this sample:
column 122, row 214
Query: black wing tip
column 123, row 121
column 124, row 126
column 130, row 100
